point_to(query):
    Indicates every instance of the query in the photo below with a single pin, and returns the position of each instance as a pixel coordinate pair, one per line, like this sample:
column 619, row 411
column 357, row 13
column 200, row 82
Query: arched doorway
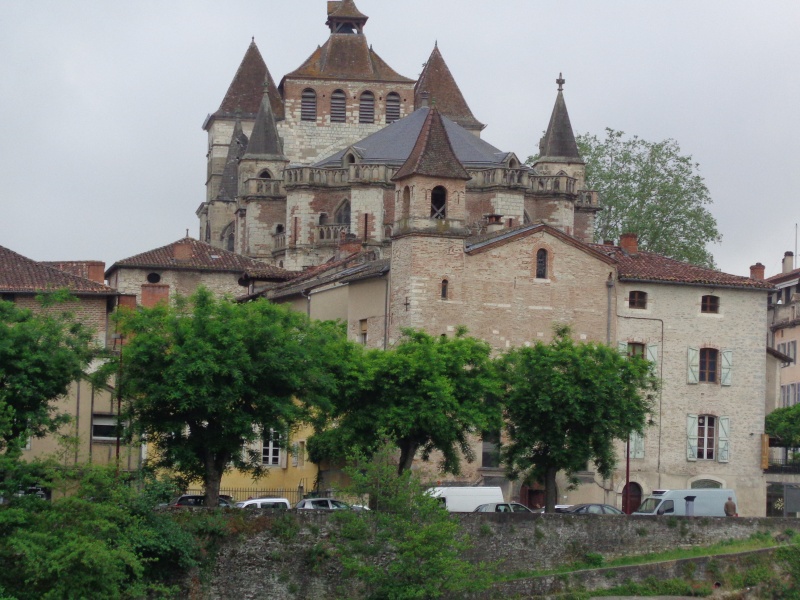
column 532, row 495
column 635, row 497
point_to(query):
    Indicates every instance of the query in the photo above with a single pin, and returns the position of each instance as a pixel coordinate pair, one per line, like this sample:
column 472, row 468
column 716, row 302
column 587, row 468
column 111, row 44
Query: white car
column 321, row 504
column 506, row 507
column 274, row 503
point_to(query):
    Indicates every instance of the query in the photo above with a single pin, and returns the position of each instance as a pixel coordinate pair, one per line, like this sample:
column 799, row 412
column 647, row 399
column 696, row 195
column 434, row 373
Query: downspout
column 386, row 316
column 609, row 293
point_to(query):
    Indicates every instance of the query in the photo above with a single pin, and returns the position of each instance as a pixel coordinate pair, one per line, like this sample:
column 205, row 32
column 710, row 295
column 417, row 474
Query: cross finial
column 561, row 81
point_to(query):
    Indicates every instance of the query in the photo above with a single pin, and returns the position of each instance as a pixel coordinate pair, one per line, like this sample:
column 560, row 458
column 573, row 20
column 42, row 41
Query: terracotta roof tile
column 199, row 257
column 646, row 266
column 438, row 82
column 19, row 274
column 781, row 277
column 433, row 154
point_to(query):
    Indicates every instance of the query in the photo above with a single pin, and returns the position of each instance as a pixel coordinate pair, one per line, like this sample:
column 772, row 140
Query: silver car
column 321, row 504
column 503, row 507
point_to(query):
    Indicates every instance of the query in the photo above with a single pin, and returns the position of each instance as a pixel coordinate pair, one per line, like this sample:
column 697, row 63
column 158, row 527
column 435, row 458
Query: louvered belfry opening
column 338, row 107
column 366, row 108
column 308, row 105
column 392, row 107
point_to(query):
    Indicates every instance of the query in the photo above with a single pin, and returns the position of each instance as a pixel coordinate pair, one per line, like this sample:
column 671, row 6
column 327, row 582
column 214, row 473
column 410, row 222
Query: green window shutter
column 636, row 441
column 691, row 437
column 723, row 441
column 726, row 361
column 622, row 348
column 694, row 366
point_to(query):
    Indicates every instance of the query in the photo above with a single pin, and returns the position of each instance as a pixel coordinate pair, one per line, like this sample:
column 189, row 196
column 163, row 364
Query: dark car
column 188, row 500
column 504, row 507
column 592, row 509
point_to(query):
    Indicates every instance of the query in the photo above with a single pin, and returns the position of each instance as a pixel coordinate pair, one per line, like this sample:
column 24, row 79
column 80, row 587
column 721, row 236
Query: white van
column 466, row 499
column 705, row 502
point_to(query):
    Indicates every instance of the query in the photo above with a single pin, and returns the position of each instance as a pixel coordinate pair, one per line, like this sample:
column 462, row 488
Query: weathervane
column 561, row 81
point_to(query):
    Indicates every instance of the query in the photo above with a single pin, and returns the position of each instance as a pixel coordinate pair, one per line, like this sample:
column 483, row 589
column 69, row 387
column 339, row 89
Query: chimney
column 182, row 250
column 494, row 223
column 788, row 262
column 629, row 242
column 97, row 271
column 757, row 271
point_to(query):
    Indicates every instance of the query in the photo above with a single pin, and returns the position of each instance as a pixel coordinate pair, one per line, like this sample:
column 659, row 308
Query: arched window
column 338, row 107
column 366, row 108
column 406, row 202
column 392, row 107
column 541, row 264
column 438, row 203
column 637, row 299
column 342, row 215
column 709, row 304
column 705, row 484
column 228, row 237
column 308, row 105
column 265, row 174
column 444, row 289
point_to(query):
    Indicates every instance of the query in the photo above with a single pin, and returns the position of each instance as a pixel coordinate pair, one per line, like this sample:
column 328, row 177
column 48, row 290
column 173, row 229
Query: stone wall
column 300, row 561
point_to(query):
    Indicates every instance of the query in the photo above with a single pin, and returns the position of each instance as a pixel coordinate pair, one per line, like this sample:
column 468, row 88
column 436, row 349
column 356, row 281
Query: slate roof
column 438, row 82
column 559, row 139
column 264, row 139
column 19, row 274
column 203, row 257
column 432, row 154
column 348, row 57
column 244, row 94
column 393, row 144
column 650, row 267
column 355, row 267
column 229, row 184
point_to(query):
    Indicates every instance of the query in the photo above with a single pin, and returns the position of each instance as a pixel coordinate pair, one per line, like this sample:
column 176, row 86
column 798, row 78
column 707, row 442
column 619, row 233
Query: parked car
column 253, row 503
column 503, row 507
column 592, row 509
column 321, row 504
column 560, row 508
column 199, row 500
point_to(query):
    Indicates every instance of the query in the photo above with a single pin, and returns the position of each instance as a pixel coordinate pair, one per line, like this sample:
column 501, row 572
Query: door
column 634, row 497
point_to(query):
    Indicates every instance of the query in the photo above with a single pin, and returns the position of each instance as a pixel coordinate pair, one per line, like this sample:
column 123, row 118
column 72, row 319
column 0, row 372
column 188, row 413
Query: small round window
column 153, row 278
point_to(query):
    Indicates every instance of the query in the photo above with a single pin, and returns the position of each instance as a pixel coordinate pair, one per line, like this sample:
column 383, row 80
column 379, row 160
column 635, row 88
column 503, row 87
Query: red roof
column 781, row 277
column 19, row 274
column 646, row 266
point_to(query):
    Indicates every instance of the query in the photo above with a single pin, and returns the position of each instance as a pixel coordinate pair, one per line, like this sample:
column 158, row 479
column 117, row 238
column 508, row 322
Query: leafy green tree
column 567, row 403
column 651, row 189
column 422, row 544
column 783, row 424
column 426, row 394
column 41, row 353
column 204, row 377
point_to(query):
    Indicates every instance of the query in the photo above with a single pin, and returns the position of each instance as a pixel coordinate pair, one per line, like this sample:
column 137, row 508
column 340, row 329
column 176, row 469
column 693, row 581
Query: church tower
column 429, row 229
column 557, row 196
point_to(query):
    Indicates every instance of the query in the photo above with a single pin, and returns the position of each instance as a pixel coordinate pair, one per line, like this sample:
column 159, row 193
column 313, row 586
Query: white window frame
column 720, row 447
column 104, row 420
column 272, row 454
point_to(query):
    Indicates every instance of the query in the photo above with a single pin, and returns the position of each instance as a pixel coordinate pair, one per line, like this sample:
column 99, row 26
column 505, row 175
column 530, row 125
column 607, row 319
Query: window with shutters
column 709, row 304
column 392, row 107
column 308, row 105
column 635, row 349
column 338, row 107
column 708, row 365
column 366, row 108
column 438, row 203
column 708, row 438
column 637, row 299
column 541, row 264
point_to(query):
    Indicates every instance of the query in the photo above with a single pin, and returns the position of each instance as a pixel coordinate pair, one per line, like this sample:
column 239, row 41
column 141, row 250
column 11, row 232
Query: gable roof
column 244, row 94
column 19, row 274
column 393, row 144
column 654, row 268
column 559, row 139
column 432, row 154
column 199, row 257
column 438, row 83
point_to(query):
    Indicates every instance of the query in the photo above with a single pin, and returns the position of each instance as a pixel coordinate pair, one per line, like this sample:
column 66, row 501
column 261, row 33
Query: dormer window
column 709, row 304
column 438, row 203
column 308, row 105
column 338, row 107
column 637, row 299
column 392, row 107
column 541, row 264
column 366, row 108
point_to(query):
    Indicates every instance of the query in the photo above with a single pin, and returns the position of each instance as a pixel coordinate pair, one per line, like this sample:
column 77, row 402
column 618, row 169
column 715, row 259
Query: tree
column 651, row 189
column 566, row 403
column 783, row 424
column 428, row 393
column 41, row 353
column 204, row 378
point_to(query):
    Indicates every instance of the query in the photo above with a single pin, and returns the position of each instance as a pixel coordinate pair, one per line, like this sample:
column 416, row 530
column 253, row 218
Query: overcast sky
column 102, row 154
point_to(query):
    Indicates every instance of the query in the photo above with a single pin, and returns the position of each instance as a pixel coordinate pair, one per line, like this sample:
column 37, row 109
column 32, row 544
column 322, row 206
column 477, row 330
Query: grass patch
column 656, row 587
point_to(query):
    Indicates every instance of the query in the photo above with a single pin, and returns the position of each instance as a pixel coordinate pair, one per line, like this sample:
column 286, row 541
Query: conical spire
column 433, row 154
column 246, row 90
column 437, row 81
column 264, row 140
column 229, row 185
column 559, row 140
